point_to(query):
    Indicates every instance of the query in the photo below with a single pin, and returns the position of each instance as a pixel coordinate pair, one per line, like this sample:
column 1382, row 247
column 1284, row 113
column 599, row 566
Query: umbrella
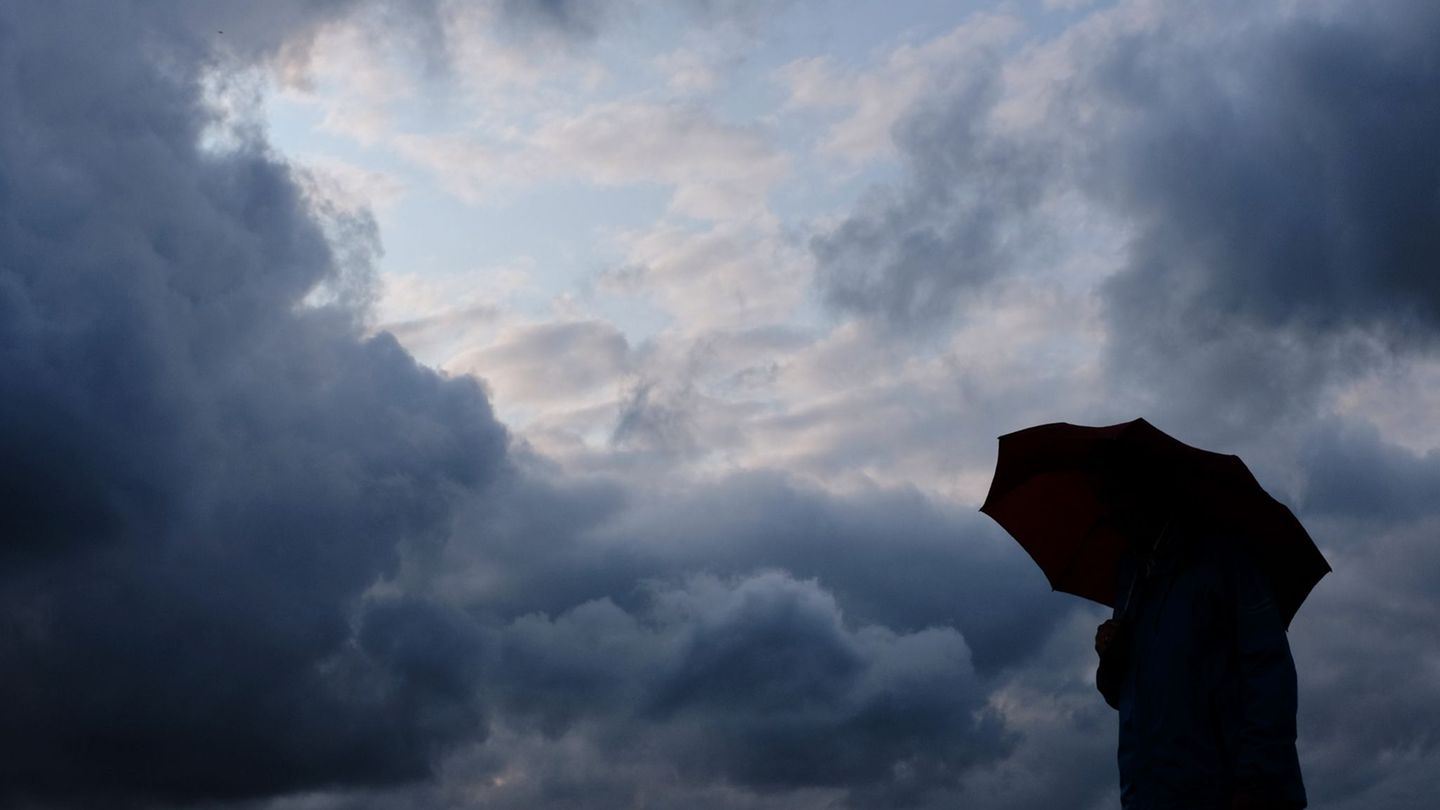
column 1049, row 493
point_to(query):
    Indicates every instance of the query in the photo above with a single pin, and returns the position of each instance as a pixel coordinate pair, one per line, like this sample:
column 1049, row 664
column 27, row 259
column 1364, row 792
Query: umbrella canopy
column 1053, row 492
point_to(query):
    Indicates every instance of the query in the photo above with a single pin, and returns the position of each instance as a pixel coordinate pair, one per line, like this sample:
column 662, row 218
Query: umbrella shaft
column 1149, row 558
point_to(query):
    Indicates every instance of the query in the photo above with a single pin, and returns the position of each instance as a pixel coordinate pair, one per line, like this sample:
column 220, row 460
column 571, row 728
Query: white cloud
column 537, row 365
column 691, row 71
column 730, row 275
column 352, row 185
column 1399, row 398
column 718, row 170
column 353, row 70
column 439, row 317
column 466, row 166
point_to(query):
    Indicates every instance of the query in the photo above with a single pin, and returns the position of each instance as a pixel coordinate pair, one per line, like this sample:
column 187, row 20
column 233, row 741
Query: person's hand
column 1105, row 635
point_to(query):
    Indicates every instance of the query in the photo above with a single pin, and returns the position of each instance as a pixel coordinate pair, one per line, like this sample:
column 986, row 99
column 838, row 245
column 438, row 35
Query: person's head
column 1139, row 498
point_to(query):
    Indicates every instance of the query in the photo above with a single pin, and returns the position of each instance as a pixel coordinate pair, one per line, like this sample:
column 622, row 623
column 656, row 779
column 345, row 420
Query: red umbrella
column 1049, row 493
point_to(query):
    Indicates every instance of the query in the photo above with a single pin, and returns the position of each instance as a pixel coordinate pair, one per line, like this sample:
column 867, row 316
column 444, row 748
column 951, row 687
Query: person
column 1196, row 661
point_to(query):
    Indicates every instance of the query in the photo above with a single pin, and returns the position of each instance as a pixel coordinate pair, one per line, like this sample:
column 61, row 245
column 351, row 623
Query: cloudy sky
column 585, row 403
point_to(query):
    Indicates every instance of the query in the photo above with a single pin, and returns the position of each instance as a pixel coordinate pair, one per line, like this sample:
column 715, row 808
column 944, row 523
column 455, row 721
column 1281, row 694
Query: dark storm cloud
column 1277, row 175
column 1367, row 636
column 1286, row 202
column 1357, row 474
column 1296, row 184
column 761, row 682
column 202, row 475
column 1363, row 653
column 882, row 621
column 892, row 558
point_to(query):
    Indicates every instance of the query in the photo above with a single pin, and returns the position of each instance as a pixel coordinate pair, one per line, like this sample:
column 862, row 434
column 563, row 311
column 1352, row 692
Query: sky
column 586, row 403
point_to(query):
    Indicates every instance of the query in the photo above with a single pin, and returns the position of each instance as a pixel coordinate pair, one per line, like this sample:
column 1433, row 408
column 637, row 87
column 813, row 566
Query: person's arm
column 1267, row 769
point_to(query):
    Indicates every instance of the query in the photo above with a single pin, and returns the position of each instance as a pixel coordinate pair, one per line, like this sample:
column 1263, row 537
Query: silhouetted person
column 1197, row 663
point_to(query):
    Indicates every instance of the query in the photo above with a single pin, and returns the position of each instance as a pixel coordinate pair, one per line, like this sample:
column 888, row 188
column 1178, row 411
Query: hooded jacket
column 1202, row 676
